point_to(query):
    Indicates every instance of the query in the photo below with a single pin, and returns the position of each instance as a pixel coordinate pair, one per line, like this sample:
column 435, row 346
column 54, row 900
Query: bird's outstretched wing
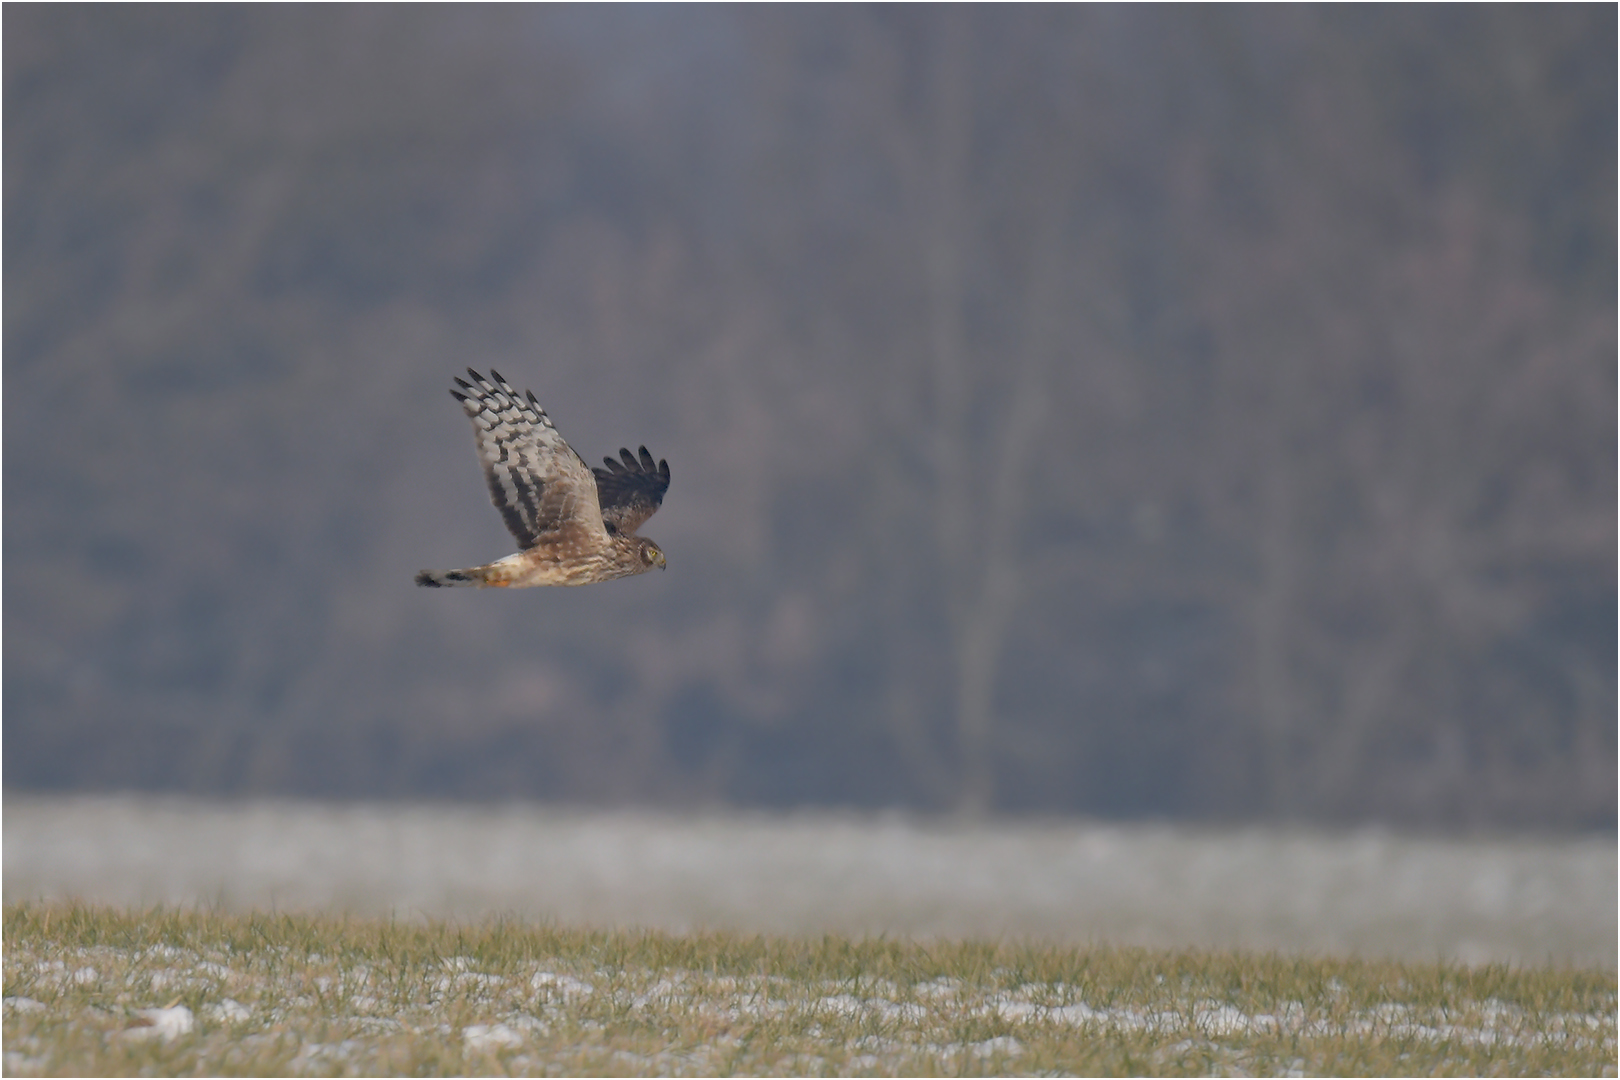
column 537, row 482
column 630, row 491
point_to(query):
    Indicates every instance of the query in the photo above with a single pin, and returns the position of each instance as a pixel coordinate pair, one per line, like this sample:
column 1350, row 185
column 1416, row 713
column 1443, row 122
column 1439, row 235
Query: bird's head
column 651, row 554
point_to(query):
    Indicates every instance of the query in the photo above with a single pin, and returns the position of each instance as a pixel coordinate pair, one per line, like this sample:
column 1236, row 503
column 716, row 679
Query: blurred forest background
column 1204, row 413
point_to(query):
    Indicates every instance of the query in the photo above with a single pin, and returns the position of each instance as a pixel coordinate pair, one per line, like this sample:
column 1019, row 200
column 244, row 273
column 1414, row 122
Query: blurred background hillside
column 1133, row 412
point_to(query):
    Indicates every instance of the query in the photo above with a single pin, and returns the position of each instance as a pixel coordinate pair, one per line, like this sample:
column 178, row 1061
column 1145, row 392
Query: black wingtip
column 426, row 580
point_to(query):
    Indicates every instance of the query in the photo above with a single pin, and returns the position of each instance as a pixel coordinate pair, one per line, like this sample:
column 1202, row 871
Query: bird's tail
column 498, row 574
column 476, row 577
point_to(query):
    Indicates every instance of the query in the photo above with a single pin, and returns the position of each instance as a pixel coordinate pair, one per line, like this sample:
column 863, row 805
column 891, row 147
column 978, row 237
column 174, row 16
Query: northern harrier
column 575, row 525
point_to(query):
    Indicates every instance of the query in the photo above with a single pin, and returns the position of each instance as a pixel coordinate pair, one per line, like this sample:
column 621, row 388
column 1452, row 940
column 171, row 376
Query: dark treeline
column 1129, row 411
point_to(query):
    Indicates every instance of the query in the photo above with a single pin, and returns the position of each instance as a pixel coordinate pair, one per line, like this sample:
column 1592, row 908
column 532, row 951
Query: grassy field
column 95, row 991
column 1526, row 900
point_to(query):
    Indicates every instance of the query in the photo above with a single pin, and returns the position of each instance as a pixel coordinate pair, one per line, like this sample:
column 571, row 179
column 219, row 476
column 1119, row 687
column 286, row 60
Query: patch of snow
column 311, row 1054
column 370, row 1024
column 523, row 1023
column 23, row 1004
column 1213, row 1018
column 229, row 1011
column 166, row 1024
column 565, row 986
column 942, row 987
column 490, row 1036
column 21, row 1063
column 849, row 1005
column 445, row 983
column 1005, row 1045
column 670, row 988
column 839, row 1005
column 1072, row 1014
column 1016, row 1010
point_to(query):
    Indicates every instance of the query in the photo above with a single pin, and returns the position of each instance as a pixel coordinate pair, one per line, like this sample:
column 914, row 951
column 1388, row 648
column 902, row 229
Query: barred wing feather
column 536, row 480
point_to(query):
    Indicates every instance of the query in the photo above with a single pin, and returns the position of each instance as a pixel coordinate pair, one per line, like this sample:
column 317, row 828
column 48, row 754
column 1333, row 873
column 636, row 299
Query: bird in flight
column 574, row 525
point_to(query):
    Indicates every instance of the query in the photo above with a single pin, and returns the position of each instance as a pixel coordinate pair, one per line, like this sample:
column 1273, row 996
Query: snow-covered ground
column 1526, row 900
column 901, row 1024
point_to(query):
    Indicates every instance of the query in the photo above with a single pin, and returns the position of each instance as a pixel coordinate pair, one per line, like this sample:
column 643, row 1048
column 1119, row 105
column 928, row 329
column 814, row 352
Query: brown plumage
column 573, row 526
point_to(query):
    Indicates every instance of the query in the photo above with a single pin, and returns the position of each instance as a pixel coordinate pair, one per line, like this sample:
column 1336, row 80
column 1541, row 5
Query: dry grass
column 279, row 994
